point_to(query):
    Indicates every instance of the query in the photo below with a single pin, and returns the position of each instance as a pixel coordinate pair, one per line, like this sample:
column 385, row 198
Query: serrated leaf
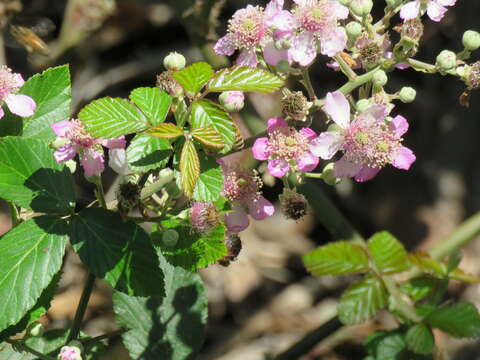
column 166, row 131
column 192, row 251
column 419, row 287
column 31, row 178
column 460, row 320
column 209, row 185
column 244, row 78
column 361, row 301
column 116, row 251
column 427, row 264
column 194, row 77
column 206, row 113
column 32, row 254
column 50, row 342
column 180, row 112
column 209, row 137
column 147, row 153
column 153, row 102
column 420, row 339
column 388, row 253
column 189, row 168
column 337, row 258
column 112, row 117
column 387, row 345
column 172, row 327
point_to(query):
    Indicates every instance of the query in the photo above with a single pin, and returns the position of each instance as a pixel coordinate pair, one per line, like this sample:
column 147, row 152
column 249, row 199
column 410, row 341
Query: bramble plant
column 170, row 145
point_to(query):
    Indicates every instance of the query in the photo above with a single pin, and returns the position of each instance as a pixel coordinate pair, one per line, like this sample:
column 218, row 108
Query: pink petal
column 236, row 220
column 61, row 128
column 341, row 11
column 116, row 143
column 304, row 48
column 281, row 20
column 410, row 10
column 399, row 125
column 278, row 167
column 273, row 56
column 21, row 105
column 333, row 41
column 435, row 11
column 337, row 106
column 2, row 113
column 326, row 144
column 64, row 153
column 224, row 46
column 117, row 160
column 273, row 7
column 276, row 123
column 404, row 158
column 17, row 79
column 345, row 168
column 366, row 173
column 402, row 66
column 260, row 149
column 92, row 162
column 260, row 208
column 308, row 133
column 307, row 162
column 446, row 2
column 374, row 113
column 247, row 58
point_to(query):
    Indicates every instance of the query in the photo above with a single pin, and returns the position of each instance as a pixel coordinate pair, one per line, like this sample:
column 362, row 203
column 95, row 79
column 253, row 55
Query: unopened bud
column 35, row 329
column 174, row 61
column 203, row 216
column 232, row 101
column 354, row 30
column 328, row 175
column 471, row 40
column 362, row 105
column 170, row 237
column 407, row 94
column 361, row 7
column 345, row 2
column 380, row 78
column 446, row 60
column 293, row 205
column 295, row 105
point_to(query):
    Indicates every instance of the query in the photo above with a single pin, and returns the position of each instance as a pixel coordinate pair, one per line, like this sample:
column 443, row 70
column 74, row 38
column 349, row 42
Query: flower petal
column 64, row 153
column 304, row 49
column 21, row 105
column 374, row 113
column 2, row 113
column 307, row 162
column 224, row 46
column 260, row 208
column 247, row 58
column 308, row 133
column 345, row 168
column 276, row 123
column 446, row 2
column 278, row 167
column 333, row 41
column 399, row 125
column 326, row 144
column 116, row 143
column 236, row 220
column 435, row 11
column 337, row 106
column 272, row 55
column 260, row 149
column 117, row 160
column 410, row 10
column 404, row 158
column 92, row 162
column 366, row 173
column 61, row 128
column 341, row 11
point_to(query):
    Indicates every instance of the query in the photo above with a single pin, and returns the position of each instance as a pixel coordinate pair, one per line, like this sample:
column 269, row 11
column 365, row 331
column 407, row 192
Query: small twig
column 94, row 340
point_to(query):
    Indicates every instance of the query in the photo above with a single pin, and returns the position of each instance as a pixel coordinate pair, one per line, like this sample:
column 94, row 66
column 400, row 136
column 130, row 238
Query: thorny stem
column 21, row 345
column 82, row 307
column 307, row 82
column 404, row 307
column 346, row 69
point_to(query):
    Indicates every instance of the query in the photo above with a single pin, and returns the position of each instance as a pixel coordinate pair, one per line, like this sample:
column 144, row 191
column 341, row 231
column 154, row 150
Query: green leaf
column 361, row 301
column 194, row 77
column 31, row 178
column 428, row 265
column 420, row 339
column 386, row 345
column 209, row 137
column 244, row 78
column 32, row 254
column 419, row 287
column 52, row 93
column 146, row 153
column 189, row 168
column 192, row 251
column 180, row 112
column 112, row 117
column 50, row 342
column 166, row 131
column 388, row 253
column 116, row 251
column 209, row 185
column 337, row 258
column 153, row 102
column 206, row 113
column 460, row 320
column 172, row 327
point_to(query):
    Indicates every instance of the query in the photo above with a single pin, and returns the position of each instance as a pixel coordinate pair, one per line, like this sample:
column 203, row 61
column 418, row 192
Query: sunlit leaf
column 189, row 168
column 194, row 77
column 244, row 78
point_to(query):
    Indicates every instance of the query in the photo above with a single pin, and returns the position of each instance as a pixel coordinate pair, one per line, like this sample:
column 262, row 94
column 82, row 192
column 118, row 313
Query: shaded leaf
column 189, row 168
column 420, row 339
column 419, row 287
column 153, row 102
column 51, row 341
column 146, row 153
column 388, row 253
column 166, row 131
column 244, row 78
column 390, row 345
column 209, row 137
column 337, row 258
column 460, row 320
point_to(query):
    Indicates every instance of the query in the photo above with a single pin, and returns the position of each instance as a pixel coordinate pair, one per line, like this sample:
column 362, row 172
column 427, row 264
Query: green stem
column 21, row 345
column 14, row 215
column 82, row 307
column 100, row 193
column 422, row 66
column 359, row 81
column 151, row 189
column 404, row 307
column 96, row 339
column 308, row 83
column 347, row 70
column 313, row 175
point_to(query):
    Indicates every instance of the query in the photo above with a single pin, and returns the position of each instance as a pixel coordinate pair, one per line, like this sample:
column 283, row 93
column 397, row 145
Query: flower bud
column 361, row 7
column 170, row 237
column 345, row 2
column 471, row 40
column 73, row 351
column 232, row 101
column 174, row 61
column 380, row 78
column 407, row 94
column 362, row 105
column 446, row 60
column 203, row 216
column 295, row 105
column 35, row 329
column 328, row 175
column 354, row 30
column 293, row 205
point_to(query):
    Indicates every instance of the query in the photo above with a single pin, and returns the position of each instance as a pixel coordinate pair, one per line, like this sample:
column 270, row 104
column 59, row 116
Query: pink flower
column 242, row 189
column 368, row 142
column 286, row 148
column 203, row 216
column 70, row 353
column 10, row 83
column 435, row 9
column 72, row 138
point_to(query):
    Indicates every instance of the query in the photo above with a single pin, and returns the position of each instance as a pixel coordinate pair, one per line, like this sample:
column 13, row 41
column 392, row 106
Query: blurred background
column 265, row 301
